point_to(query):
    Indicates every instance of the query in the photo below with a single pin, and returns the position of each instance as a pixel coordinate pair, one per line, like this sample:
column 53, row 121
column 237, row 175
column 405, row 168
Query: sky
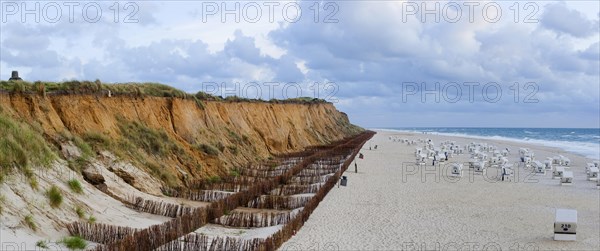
column 384, row 63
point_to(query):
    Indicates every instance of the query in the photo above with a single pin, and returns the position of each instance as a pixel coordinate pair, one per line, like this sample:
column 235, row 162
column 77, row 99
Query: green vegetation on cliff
column 21, row 148
column 131, row 89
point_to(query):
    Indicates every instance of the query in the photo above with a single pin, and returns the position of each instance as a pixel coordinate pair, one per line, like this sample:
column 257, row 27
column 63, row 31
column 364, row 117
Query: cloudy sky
column 385, row 63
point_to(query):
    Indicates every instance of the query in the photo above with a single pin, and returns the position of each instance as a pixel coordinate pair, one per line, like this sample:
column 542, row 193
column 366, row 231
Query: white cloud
column 368, row 54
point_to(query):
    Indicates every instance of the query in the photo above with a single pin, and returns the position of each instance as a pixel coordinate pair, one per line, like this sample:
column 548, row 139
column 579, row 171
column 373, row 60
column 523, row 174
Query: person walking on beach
column 434, row 158
column 446, row 154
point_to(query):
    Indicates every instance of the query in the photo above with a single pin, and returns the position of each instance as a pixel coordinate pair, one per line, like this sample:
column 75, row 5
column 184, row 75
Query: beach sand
column 389, row 205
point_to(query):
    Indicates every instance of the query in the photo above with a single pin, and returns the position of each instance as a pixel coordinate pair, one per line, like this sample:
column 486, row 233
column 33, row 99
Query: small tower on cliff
column 14, row 76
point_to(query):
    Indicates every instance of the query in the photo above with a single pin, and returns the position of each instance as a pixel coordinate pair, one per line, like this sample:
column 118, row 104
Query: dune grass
column 21, row 147
column 79, row 211
column 54, row 196
column 91, row 219
column 75, row 186
column 74, row 242
column 29, row 221
column 135, row 89
column 42, row 244
column 214, row 179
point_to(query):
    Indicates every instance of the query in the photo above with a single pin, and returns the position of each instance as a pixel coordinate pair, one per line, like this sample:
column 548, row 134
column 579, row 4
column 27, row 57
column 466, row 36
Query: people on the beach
column 434, row 159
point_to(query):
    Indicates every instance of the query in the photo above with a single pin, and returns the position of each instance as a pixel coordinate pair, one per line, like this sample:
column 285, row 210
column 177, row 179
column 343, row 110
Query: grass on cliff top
column 135, row 89
column 21, row 147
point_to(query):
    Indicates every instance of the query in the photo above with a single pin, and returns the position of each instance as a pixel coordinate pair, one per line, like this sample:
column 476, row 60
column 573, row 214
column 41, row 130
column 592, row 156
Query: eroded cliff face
column 185, row 133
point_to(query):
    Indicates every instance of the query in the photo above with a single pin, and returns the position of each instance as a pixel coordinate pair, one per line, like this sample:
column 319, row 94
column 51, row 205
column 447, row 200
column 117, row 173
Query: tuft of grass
column 30, row 222
column 31, row 178
column 208, row 149
column 33, row 183
column 214, row 179
column 75, row 186
column 79, row 211
column 74, row 242
column 42, row 244
column 91, row 219
column 234, row 173
column 55, row 196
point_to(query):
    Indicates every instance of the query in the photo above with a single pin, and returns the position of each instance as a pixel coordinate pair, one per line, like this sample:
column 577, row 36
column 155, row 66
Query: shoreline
column 386, row 206
column 533, row 142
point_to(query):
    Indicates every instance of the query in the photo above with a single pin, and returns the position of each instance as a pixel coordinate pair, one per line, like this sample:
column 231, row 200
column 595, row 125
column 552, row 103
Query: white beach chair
column 441, row 157
column 539, row 167
column 484, row 156
column 558, row 172
column 587, row 167
column 567, row 178
column 565, row 161
column 479, row 166
column 593, row 174
column 506, row 172
column 421, row 159
column 496, row 159
column 565, row 225
column 522, row 151
column 456, row 169
column 418, row 152
column 556, row 160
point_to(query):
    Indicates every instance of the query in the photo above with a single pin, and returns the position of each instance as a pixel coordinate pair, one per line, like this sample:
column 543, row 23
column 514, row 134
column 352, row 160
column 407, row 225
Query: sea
column 582, row 141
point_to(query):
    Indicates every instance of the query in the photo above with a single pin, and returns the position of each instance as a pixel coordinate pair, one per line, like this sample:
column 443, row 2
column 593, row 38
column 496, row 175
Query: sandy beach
column 391, row 204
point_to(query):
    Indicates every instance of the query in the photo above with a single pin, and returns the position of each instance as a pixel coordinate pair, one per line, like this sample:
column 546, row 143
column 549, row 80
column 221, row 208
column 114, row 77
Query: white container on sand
column 565, row 225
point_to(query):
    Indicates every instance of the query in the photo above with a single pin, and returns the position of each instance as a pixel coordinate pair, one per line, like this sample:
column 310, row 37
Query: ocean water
column 583, row 141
